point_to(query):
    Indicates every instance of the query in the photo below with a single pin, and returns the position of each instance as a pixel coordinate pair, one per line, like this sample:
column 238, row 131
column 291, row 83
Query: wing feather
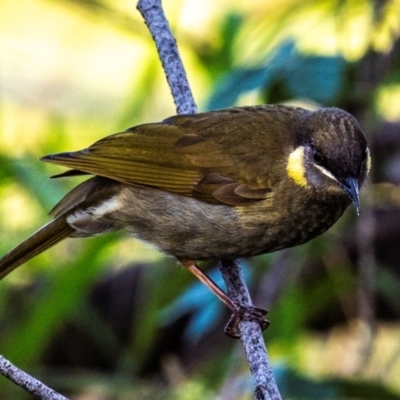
column 205, row 156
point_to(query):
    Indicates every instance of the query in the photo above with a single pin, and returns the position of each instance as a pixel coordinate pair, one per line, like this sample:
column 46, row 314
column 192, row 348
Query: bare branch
column 27, row 382
column 251, row 335
column 154, row 16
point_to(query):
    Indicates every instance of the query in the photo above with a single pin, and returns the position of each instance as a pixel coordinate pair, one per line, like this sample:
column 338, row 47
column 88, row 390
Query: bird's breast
column 293, row 218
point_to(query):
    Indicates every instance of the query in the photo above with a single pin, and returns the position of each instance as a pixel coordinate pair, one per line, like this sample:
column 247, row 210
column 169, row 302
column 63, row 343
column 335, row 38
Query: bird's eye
column 317, row 156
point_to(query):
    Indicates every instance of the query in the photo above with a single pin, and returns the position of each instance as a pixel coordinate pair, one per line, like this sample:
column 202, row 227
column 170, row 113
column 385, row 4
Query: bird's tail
column 45, row 237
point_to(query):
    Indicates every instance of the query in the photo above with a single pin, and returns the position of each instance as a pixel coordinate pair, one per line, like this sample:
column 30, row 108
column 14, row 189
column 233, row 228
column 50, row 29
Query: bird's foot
column 245, row 313
column 239, row 311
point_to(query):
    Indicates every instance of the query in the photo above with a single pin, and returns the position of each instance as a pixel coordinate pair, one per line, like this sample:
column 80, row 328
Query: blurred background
column 109, row 317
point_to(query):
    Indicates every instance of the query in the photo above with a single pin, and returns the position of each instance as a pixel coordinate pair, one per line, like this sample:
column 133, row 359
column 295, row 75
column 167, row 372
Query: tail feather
column 45, row 237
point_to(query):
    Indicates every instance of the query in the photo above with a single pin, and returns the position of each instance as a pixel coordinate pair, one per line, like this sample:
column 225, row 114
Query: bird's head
column 331, row 154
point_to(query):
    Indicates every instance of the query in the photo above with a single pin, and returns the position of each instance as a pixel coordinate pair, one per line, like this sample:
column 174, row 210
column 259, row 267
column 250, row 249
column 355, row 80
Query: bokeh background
column 110, row 317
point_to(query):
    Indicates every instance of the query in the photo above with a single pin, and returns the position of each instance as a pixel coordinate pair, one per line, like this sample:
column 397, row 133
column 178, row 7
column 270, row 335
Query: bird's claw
column 245, row 313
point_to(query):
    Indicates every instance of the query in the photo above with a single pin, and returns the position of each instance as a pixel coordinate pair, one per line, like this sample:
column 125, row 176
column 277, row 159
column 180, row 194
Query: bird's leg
column 203, row 277
column 239, row 312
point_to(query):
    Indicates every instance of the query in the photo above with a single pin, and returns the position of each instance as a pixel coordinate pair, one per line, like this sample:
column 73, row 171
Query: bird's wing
column 204, row 156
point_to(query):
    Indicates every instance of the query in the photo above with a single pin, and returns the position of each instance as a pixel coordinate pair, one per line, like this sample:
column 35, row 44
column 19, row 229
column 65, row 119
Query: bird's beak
column 350, row 186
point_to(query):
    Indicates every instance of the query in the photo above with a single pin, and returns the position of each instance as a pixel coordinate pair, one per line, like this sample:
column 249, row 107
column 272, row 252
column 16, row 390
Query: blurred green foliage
column 311, row 77
column 83, row 320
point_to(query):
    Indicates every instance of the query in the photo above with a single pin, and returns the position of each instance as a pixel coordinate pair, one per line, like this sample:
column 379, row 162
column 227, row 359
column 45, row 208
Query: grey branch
column 27, row 382
column 153, row 14
column 251, row 334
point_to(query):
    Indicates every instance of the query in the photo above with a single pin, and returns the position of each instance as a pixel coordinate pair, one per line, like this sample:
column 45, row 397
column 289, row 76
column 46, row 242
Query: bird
column 217, row 185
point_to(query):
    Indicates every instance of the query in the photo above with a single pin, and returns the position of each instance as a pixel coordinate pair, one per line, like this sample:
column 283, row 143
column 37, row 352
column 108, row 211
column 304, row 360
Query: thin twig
column 251, row 334
column 27, row 382
column 153, row 15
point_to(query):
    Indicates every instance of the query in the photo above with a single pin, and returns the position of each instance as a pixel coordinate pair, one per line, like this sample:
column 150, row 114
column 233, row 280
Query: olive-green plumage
column 229, row 183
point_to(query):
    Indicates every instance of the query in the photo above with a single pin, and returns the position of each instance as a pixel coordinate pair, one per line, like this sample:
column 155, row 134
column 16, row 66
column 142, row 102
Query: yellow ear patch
column 368, row 166
column 295, row 166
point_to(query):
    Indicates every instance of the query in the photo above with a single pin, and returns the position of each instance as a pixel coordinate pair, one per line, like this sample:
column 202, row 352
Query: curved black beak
column 350, row 186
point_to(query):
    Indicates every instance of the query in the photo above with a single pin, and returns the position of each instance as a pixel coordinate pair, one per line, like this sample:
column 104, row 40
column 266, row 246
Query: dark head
column 332, row 154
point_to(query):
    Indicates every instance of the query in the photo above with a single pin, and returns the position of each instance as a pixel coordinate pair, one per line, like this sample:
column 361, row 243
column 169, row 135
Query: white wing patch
column 90, row 215
column 106, row 207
